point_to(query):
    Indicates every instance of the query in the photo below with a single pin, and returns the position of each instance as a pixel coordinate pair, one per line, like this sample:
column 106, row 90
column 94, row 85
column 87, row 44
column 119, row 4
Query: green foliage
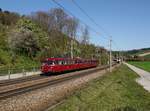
column 4, row 57
column 8, row 18
column 87, row 51
column 28, row 37
column 104, row 58
column 3, row 38
column 25, row 62
column 26, row 24
column 117, row 91
column 25, row 41
column 136, row 51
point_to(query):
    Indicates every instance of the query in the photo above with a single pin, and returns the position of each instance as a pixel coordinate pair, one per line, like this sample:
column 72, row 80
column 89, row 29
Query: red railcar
column 53, row 65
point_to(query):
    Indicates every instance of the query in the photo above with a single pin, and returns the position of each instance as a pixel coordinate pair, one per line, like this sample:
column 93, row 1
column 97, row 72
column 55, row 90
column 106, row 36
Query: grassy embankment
column 115, row 92
column 143, row 65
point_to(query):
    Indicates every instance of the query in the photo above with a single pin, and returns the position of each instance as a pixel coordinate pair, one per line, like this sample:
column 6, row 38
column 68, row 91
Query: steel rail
column 21, row 90
column 20, row 80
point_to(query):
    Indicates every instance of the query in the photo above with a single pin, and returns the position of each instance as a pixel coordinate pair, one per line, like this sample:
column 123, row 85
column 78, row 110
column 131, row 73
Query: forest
column 25, row 40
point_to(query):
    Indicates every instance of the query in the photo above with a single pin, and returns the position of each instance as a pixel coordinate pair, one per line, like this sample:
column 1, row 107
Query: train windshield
column 48, row 63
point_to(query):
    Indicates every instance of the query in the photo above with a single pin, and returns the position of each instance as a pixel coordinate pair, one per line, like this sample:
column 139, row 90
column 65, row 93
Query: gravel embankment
column 41, row 99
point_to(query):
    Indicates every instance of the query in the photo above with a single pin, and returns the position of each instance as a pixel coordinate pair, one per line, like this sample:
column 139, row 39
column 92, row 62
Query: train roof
column 53, row 59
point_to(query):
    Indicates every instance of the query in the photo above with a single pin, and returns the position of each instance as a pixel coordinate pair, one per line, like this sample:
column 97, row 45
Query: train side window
column 69, row 61
column 59, row 62
column 72, row 62
column 53, row 63
column 56, row 62
column 65, row 62
column 50, row 62
column 76, row 61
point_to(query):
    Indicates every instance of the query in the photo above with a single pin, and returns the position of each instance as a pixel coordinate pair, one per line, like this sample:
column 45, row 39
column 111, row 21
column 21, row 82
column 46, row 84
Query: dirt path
column 147, row 53
column 144, row 79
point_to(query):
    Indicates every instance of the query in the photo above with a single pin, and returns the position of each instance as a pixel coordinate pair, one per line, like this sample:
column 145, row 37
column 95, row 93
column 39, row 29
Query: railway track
column 26, row 86
column 20, row 80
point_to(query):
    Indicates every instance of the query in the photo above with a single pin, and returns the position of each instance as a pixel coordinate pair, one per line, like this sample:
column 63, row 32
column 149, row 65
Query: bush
column 4, row 57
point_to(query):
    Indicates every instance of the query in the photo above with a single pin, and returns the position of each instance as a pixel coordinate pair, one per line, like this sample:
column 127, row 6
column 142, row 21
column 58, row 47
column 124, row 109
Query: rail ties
column 33, row 86
column 19, row 80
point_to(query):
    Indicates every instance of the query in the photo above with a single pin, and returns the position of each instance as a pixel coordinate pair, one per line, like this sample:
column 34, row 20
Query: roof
column 52, row 59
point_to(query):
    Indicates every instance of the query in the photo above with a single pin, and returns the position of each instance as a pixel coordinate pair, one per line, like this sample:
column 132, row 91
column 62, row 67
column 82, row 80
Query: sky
column 126, row 21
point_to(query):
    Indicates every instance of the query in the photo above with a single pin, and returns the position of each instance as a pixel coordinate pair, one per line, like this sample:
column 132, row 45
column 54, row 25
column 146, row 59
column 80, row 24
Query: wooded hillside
column 27, row 39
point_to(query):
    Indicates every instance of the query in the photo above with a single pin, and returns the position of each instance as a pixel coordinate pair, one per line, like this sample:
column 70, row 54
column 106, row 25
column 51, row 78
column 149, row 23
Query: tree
column 71, row 30
column 27, row 37
column 42, row 18
column 85, row 36
column 9, row 18
column 86, row 48
column 59, row 18
column 55, row 19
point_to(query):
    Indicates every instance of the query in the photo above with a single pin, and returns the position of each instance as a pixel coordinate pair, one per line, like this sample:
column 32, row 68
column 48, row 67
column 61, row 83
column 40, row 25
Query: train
column 59, row 65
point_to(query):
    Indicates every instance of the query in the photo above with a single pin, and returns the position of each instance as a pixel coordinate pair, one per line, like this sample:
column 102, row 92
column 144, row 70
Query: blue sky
column 127, row 21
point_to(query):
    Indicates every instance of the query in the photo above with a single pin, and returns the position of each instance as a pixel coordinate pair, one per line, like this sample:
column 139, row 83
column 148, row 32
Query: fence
column 18, row 71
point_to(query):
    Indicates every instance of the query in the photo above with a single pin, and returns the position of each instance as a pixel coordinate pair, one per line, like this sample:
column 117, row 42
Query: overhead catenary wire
column 115, row 44
column 90, row 18
column 61, row 6
column 94, row 22
column 100, row 27
column 109, row 36
column 120, row 52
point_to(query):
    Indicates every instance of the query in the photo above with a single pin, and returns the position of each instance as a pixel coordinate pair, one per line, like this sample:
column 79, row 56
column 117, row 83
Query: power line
column 107, row 34
column 78, row 18
column 90, row 18
column 115, row 44
column 110, row 55
column 99, row 26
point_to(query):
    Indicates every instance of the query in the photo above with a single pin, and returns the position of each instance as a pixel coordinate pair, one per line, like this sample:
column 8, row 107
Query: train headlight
column 43, row 64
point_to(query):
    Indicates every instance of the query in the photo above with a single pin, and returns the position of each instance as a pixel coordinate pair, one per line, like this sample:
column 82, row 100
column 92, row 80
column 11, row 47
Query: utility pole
column 110, row 55
column 71, row 48
column 72, row 44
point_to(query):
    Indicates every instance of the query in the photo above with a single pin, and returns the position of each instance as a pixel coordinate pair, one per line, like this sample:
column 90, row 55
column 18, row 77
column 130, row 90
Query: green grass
column 115, row 92
column 147, row 56
column 142, row 65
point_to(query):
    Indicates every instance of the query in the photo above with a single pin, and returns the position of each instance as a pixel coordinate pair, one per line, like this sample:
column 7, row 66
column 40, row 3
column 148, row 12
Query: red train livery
column 53, row 65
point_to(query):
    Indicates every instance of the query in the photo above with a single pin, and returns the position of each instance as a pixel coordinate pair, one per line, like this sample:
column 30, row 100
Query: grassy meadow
column 147, row 56
column 143, row 65
column 117, row 91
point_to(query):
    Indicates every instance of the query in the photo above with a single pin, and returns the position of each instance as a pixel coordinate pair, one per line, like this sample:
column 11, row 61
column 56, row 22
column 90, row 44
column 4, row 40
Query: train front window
column 49, row 62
